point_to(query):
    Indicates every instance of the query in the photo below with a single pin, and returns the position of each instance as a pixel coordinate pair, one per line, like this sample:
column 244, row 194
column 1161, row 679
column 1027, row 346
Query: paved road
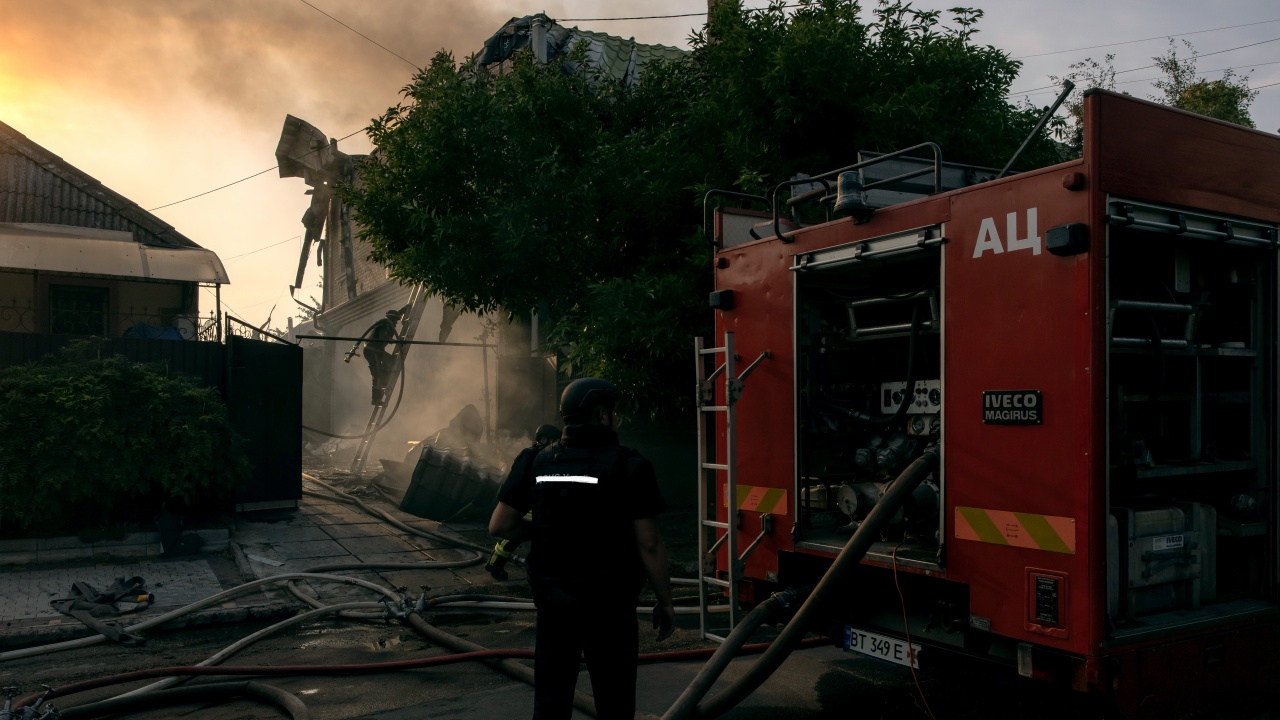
column 814, row 684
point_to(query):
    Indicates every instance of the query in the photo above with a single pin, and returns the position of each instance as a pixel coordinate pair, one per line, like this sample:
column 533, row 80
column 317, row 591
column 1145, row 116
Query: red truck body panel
column 1019, row 502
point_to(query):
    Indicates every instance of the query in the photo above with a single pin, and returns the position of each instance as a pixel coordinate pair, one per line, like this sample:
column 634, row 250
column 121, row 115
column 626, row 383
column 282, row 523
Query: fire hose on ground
column 383, row 515
column 357, row 669
column 849, row 558
column 285, row 700
column 407, row 606
column 690, row 704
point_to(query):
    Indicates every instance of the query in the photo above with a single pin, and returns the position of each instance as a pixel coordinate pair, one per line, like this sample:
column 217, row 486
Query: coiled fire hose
column 688, row 705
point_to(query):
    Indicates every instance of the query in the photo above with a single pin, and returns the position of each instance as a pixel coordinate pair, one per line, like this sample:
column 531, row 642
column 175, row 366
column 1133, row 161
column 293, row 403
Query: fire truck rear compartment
column 1191, row 413
column 868, row 375
column 1190, row 423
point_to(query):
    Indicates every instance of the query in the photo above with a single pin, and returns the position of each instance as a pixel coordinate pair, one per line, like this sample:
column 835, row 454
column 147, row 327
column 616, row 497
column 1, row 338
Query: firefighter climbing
column 380, row 361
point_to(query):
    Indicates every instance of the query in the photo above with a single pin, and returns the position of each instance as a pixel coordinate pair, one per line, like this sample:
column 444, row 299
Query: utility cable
column 911, row 653
column 264, row 247
column 1144, row 67
column 660, row 17
column 248, row 177
column 1154, row 37
column 366, row 37
column 1207, row 72
column 1197, row 57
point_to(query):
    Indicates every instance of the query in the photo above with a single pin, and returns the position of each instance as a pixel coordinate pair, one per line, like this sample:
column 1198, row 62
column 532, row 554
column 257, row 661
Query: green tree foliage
column 1227, row 98
column 98, row 440
column 566, row 192
column 1087, row 74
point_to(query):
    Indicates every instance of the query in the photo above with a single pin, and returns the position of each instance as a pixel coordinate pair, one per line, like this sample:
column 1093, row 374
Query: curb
column 66, row 549
column 45, row 634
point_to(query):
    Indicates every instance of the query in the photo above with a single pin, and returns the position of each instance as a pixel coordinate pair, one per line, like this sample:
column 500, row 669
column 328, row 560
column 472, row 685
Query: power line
column 636, row 17
column 1156, row 37
column 1197, row 57
column 660, row 17
column 206, row 192
column 1130, row 82
column 265, row 247
column 1145, row 67
column 247, row 177
column 366, row 37
column 224, row 303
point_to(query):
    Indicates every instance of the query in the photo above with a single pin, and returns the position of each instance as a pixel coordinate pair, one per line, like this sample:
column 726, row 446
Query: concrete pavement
column 320, row 532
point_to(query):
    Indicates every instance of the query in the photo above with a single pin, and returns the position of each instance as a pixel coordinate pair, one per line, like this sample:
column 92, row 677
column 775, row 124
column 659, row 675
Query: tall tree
column 562, row 191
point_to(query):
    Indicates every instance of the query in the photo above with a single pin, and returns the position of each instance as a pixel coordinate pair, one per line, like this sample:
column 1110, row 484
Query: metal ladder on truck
column 709, row 474
column 417, row 303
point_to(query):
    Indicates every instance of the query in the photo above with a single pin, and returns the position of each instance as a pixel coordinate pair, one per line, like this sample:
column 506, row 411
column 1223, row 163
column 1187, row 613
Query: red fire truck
column 1090, row 349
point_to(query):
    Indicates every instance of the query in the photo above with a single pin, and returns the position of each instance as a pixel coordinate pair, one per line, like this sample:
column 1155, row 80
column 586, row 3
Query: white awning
column 70, row 249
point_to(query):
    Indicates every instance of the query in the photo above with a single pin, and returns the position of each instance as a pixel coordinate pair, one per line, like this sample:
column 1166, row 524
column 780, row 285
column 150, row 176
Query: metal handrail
column 937, row 179
column 706, row 208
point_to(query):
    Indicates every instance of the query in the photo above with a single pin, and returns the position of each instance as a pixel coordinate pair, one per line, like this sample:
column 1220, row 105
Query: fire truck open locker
column 1089, row 348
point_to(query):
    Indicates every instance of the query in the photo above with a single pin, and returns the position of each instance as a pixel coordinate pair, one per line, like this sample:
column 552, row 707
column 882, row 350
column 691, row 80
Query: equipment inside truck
column 870, row 399
column 1189, row 362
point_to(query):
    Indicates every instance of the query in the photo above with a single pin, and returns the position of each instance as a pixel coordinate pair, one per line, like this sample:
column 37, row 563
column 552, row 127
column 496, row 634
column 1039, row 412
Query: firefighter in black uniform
column 595, row 540
column 380, row 361
column 502, row 551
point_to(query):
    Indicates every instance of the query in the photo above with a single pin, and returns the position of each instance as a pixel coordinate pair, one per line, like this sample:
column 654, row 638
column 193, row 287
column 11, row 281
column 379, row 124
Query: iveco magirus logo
column 1012, row 407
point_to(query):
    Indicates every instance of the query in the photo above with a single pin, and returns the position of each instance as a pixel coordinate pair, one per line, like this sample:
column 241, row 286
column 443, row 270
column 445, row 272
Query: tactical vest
column 583, row 536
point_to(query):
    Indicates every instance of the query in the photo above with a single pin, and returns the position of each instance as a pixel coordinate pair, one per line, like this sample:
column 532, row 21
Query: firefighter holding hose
column 595, row 541
column 503, row 549
column 380, row 361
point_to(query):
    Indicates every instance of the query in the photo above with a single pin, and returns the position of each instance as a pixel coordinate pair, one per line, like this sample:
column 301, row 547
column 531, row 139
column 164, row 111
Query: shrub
column 88, row 439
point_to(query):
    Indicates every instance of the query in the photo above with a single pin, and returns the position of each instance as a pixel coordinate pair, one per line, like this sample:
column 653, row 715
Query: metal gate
column 264, row 396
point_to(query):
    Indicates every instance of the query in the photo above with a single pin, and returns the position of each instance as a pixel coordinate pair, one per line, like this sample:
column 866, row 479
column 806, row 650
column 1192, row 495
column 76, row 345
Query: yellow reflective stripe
column 1037, row 526
column 981, row 525
column 762, row 499
column 1028, row 530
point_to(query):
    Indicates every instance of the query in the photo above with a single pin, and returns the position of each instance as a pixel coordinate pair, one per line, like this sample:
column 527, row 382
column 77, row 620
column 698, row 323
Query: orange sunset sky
column 164, row 99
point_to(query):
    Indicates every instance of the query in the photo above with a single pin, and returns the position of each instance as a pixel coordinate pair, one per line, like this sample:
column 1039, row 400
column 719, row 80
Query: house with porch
column 77, row 258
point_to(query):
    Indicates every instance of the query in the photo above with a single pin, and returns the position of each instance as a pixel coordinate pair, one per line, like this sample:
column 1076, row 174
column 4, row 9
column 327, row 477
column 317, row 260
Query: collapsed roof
column 622, row 59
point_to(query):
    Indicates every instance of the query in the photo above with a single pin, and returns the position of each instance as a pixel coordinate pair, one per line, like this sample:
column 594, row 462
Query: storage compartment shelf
column 1199, row 468
column 1202, row 352
column 1238, row 528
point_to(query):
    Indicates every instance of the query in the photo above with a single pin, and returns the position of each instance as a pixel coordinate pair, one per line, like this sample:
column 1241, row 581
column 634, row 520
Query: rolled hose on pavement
column 849, row 558
column 199, row 693
column 372, row 511
column 248, row 640
column 358, row 615
column 188, row 609
column 363, row 668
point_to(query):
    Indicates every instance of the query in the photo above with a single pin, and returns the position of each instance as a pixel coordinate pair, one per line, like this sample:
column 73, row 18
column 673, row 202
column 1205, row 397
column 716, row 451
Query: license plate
column 881, row 646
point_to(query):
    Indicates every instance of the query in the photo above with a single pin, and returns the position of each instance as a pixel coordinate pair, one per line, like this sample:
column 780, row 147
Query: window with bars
column 78, row 310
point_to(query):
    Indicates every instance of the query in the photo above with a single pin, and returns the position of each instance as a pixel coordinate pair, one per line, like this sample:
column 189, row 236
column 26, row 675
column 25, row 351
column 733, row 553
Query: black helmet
column 393, row 314
column 546, row 434
column 581, row 396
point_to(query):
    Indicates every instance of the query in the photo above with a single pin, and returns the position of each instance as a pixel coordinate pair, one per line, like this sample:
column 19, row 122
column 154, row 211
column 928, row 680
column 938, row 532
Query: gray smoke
column 256, row 60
